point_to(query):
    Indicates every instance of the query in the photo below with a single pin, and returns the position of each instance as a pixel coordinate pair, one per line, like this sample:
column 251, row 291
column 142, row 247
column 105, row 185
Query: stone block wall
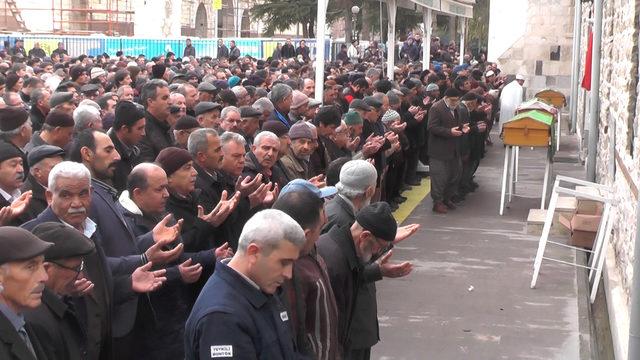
column 549, row 25
column 618, row 157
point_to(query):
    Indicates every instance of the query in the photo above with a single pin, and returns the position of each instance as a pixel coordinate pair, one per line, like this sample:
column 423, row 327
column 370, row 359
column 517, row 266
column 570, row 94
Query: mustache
column 20, row 176
column 80, row 210
column 38, row 289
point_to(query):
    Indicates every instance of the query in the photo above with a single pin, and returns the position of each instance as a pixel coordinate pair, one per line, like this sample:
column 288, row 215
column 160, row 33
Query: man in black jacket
column 127, row 131
column 288, row 50
column 155, row 98
column 39, row 107
column 41, row 160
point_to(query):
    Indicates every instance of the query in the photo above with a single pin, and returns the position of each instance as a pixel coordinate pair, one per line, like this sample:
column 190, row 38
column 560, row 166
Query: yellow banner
column 217, row 4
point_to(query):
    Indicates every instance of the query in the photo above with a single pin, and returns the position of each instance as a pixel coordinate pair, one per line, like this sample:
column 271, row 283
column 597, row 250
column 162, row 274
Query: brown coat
column 442, row 144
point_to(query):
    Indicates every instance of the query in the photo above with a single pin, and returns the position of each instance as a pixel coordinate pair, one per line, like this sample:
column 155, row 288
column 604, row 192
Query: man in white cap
column 511, row 98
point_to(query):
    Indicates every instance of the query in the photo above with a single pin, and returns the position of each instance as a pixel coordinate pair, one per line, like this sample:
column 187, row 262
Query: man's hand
column 220, row 213
column 370, row 148
column 394, row 270
column 9, row 213
column 156, row 255
column 190, row 273
column 257, row 197
column 223, row 252
column 143, row 280
column 398, row 126
column 353, row 144
column 247, row 185
column 80, row 287
column 164, row 234
column 272, row 194
column 319, row 181
column 406, row 231
column 466, row 129
column 482, row 126
column 456, row 132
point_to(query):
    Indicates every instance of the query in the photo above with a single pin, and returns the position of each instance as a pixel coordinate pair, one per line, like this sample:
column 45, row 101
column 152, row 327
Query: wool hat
column 127, row 113
column 67, row 241
column 97, row 71
column 305, row 185
column 12, row 117
column 300, row 130
column 432, row 87
column 19, row 244
column 356, row 176
column 390, row 116
column 158, row 71
column 489, row 73
column 172, row 158
column 353, row 118
column 187, row 122
column 233, row 81
column 378, row 219
column 42, row 152
column 58, row 98
column 8, row 151
column 360, row 105
column 299, row 99
column 248, row 112
column 275, row 127
column 205, row 106
column 57, row 118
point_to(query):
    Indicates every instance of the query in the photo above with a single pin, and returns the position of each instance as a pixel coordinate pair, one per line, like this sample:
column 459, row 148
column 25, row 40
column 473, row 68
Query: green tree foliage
column 279, row 15
column 478, row 29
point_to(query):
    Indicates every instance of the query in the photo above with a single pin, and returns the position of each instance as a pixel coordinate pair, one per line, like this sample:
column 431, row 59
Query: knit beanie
column 12, row 117
column 390, row 116
column 356, row 176
column 352, row 118
column 300, row 130
column 172, row 158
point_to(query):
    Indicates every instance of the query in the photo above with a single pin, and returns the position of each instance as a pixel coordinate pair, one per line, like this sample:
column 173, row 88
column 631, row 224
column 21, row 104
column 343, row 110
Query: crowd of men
column 147, row 201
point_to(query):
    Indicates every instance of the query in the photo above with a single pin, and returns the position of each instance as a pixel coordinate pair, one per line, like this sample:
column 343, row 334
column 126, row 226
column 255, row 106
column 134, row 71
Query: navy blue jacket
column 231, row 317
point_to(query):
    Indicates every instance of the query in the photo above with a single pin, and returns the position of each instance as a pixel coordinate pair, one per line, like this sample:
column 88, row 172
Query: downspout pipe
column 575, row 65
column 594, row 107
column 634, row 321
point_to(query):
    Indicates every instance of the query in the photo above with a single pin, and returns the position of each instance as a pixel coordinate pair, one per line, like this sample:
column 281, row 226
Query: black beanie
column 158, row 71
column 127, row 113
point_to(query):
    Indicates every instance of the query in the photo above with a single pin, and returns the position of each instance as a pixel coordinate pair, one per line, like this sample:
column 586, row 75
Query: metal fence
column 260, row 48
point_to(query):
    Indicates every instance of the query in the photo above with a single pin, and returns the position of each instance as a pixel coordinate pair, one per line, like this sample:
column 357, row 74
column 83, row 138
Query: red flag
column 586, row 80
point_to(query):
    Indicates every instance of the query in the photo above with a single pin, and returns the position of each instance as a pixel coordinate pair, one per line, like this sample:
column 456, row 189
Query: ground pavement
column 468, row 296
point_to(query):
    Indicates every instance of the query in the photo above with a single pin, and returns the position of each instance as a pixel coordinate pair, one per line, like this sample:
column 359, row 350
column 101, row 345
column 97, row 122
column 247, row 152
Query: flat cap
column 360, row 105
column 299, row 99
column 187, row 122
column 8, row 151
column 67, row 241
column 42, row 152
column 58, row 98
column 314, row 103
column 57, row 118
column 275, row 127
column 248, row 111
column 377, row 219
column 306, row 185
column 300, row 130
column 206, row 86
column 12, row 117
column 373, row 102
column 19, row 245
column 206, row 106
column 172, row 158
column 89, row 88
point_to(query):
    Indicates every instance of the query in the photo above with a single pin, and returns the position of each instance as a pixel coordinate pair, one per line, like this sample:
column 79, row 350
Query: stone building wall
column 549, row 28
column 618, row 157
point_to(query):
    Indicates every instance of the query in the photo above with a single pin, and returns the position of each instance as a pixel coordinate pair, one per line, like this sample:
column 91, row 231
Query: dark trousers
column 445, row 176
column 469, row 168
column 412, row 163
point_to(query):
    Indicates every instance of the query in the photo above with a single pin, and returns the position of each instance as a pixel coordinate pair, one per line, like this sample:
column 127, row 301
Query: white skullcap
column 356, row 176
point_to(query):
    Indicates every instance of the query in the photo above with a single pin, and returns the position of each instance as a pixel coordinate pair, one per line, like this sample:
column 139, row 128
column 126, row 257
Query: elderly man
column 22, row 278
column 143, row 206
column 86, row 117
column 127, row 131
column 57, row 130
column 41, row 160
column 265, row 106
column 263, row 156
column 299, row 106
column 15, row 128
column 116, row 279
column 250, row 123
column 11, row 174
column 296, row 160
column 39, row 107
column 56, row 324
column 206, row 91
column 63, row 101
column 208, row 114
column 242, row 95
column 311, row 299
column 230, row 119
column 155, row 98
column 190, row 94
column 223, row 322
column 185, row 126
column 346, row 250
column 281, row 96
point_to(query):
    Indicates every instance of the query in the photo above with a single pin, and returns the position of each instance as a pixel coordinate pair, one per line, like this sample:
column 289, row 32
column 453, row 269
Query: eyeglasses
column 78, row 269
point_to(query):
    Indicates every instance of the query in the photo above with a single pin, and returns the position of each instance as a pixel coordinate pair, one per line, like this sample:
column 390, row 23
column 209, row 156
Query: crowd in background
column 149, row 200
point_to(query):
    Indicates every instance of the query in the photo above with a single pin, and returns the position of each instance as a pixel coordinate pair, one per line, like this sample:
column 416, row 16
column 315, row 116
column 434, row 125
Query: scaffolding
column 74, row 17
